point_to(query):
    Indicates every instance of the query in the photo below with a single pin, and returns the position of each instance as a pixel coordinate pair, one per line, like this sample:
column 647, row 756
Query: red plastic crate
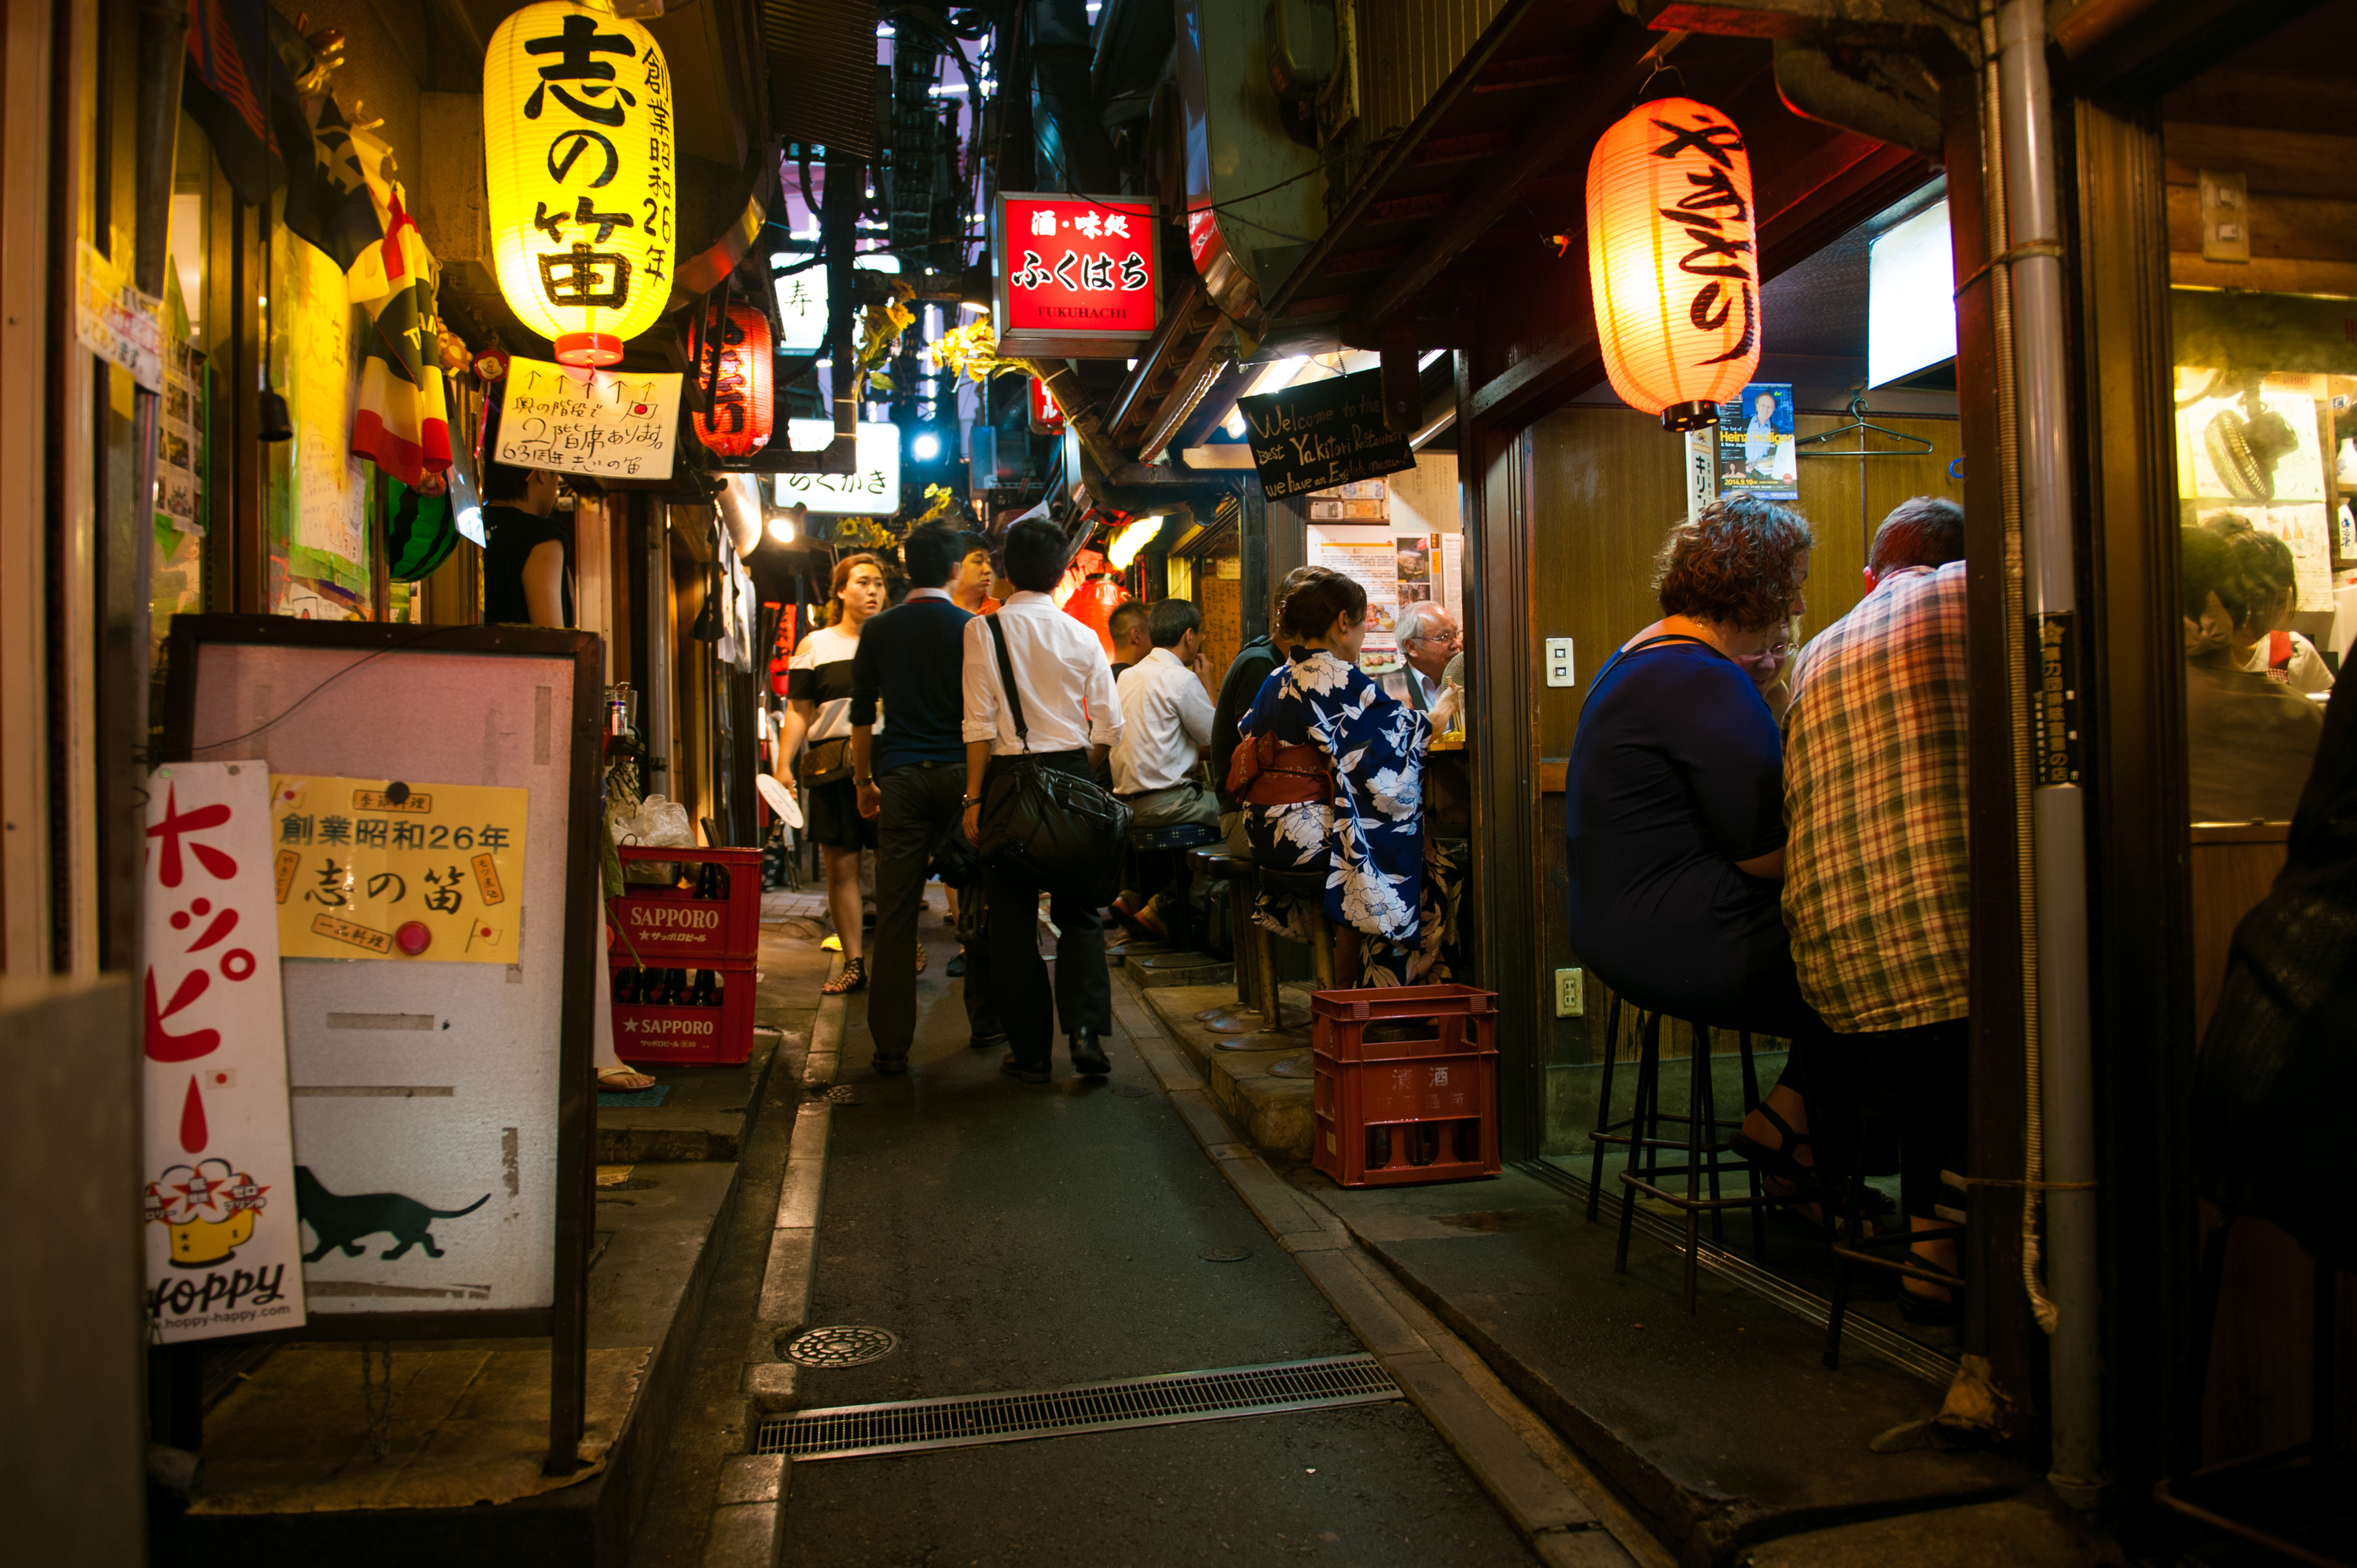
column 1460, row 1018
column 697, row 1037
column 664, row 928
column 1434, row 1097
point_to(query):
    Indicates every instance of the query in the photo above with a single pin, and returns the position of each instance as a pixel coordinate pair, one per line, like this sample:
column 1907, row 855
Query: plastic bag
column 659, row 824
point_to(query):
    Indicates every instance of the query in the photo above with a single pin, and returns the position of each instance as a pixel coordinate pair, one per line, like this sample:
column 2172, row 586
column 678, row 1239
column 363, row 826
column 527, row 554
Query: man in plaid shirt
column 1877, row 891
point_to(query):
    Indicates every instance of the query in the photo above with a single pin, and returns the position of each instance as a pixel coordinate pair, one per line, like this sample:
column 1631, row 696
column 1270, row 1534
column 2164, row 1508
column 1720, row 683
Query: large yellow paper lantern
column 1673, row 262
column 578, row 136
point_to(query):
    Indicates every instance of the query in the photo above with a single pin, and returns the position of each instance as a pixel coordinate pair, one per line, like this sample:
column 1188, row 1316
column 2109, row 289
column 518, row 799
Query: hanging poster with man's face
column 1755, row 443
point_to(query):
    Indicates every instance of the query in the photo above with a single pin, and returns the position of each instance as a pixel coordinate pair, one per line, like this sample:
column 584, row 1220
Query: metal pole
column 2057, row 802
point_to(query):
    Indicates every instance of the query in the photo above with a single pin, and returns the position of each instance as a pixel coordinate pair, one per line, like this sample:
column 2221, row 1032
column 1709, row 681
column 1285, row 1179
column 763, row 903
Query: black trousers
column 920, row 808
column 1912, row 1087
column 1082, row 994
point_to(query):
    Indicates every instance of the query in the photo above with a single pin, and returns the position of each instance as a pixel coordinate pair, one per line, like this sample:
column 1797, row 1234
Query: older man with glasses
column 1429, row 639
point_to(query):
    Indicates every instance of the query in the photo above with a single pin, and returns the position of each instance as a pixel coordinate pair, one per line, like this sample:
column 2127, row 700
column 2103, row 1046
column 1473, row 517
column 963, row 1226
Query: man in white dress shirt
column 1429, row 639
column 1071, row 721
column 1166, row 723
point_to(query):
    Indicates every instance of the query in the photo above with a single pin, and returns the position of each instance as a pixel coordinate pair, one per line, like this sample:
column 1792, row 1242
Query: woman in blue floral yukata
column 1331, row 775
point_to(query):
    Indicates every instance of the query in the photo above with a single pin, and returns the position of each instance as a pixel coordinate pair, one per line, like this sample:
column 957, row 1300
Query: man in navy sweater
column 911, row 773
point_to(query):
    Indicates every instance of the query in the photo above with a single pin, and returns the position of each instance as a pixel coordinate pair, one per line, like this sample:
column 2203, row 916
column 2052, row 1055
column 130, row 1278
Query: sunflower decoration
column 880, row 326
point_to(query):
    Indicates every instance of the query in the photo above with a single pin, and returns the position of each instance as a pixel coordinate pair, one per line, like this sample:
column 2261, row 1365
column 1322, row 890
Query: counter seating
column 1703, row 1141
column 1165, row 849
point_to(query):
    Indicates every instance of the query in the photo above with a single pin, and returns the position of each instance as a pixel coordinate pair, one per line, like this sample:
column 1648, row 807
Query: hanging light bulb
column 1134, row 537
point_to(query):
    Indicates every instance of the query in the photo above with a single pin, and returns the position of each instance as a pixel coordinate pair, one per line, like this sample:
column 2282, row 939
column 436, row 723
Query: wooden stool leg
column 1852, row 1220
column 1321, row 951
column 1704, row 1051
column 1640, row 1127
column 1752, row 1103
column 1699, row 1134
column 1603, row 1106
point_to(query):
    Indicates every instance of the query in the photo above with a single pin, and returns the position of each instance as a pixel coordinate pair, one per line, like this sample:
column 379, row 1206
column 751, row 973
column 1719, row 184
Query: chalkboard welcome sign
column 1323, row 433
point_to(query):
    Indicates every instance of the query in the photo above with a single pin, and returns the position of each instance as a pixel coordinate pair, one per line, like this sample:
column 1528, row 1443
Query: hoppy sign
column 1075, row 274
column 577, row 138
column 224, row 1248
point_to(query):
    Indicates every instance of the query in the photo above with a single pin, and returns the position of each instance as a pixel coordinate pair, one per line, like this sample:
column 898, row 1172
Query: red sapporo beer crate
column 1395, row 1113
column 688, row 1037
column 665, row 927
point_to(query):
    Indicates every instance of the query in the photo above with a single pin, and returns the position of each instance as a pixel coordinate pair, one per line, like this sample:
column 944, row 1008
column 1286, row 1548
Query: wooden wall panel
column 1846, row 499
column 1605, row 488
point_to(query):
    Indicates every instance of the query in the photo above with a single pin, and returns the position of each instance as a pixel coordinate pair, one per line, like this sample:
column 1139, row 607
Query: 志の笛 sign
column 377, row 868
column 224, row 1243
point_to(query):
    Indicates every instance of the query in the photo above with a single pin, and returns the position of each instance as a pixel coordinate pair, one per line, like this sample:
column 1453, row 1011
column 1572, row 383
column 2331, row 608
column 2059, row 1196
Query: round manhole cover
column 1132, row 1090
column 844, row 1346
column 841, row 1094
column 1224, row 1254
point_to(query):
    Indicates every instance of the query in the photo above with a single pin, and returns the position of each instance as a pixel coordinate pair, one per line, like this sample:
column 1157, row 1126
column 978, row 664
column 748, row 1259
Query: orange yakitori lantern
column 1673, row 262
column 742, row 410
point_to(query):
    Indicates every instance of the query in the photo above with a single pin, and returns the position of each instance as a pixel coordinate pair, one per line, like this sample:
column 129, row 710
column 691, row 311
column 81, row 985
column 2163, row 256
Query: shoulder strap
column 1006, row 680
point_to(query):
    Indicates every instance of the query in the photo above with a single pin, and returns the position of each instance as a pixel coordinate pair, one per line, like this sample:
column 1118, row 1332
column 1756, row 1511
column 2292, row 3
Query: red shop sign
column 1046, row 416
column 1076, row 276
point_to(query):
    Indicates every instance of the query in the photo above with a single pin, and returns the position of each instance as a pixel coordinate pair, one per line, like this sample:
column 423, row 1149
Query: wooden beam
column 1551, row 135
column 1403, row 151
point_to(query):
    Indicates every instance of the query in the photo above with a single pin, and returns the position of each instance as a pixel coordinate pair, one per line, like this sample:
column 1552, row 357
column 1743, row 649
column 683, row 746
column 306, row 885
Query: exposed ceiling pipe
column 1075, row 154
column 1888, row 96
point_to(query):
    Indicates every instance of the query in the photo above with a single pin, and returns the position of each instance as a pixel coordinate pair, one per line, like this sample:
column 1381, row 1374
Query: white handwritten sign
column 874, row 490
column 224, row 1253
column 620, row 425
column 117, row 322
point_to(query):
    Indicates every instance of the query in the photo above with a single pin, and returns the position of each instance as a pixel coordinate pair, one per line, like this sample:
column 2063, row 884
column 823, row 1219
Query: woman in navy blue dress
column 1675, row 805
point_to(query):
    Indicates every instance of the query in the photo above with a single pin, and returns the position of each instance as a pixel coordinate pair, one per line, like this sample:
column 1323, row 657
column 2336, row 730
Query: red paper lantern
column 743, row 408
column 1673, row 260
column 1092, row 604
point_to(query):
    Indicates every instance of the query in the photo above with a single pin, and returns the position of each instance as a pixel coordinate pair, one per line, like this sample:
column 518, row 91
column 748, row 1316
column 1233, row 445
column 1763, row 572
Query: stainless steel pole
column 2034, row 257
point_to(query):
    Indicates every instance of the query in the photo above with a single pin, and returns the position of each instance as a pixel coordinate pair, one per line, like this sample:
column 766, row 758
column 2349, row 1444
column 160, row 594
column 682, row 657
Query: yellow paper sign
column 379, row 868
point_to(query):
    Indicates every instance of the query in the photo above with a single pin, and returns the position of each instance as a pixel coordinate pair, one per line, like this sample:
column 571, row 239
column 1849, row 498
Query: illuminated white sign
column 873, row 492
column 802, row 310
column 1910, row 313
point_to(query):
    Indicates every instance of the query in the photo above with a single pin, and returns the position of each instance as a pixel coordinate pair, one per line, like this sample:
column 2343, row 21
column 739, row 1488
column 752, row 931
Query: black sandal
column 853, row 978
column 1803, row 1186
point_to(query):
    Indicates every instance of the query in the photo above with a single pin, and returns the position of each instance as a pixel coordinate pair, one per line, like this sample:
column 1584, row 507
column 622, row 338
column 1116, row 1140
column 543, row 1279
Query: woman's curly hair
column 1737, row 563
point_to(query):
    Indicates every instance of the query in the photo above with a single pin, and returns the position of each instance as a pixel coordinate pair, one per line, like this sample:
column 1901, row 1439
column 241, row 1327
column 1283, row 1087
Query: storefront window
column 2266, row 450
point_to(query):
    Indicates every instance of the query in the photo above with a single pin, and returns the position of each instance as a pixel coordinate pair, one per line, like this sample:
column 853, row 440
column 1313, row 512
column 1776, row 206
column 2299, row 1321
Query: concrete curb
column 749, row 1504
column 1569, row 1516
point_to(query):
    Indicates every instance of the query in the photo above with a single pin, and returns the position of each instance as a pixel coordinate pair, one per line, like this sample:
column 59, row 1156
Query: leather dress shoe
column 889, row 1066
column 1088, row 1055
column 987, row 1042
column 1014, row 1068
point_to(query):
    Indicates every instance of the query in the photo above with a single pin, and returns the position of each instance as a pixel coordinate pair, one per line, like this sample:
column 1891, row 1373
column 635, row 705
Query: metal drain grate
column 842, row 1345
column 856, row 1431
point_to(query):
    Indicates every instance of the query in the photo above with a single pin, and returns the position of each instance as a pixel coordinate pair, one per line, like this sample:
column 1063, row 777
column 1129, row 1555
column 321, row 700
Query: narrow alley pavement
column 1016, row 1238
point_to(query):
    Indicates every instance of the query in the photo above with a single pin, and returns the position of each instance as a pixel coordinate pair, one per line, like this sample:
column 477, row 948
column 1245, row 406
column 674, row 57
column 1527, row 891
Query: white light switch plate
column 1559, row 670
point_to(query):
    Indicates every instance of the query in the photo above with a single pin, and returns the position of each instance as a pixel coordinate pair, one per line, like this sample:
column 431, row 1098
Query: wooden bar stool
column 1308, row 887
column 1704, row 1144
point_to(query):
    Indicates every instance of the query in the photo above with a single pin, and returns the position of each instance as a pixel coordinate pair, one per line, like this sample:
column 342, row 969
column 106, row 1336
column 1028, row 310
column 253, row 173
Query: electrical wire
column 288, row 712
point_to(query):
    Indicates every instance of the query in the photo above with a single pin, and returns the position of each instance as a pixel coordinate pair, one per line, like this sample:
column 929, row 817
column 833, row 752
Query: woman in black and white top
column 818, row 715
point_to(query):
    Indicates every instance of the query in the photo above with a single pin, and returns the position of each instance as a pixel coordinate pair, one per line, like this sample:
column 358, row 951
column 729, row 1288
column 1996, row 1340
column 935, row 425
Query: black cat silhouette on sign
column 341, row 1222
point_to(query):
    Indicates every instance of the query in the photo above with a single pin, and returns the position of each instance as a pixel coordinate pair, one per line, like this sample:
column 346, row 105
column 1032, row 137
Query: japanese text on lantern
column 1673, row 260
column 578, row 137
column 223, row 1249
column 380, row 869
column 1077, row 266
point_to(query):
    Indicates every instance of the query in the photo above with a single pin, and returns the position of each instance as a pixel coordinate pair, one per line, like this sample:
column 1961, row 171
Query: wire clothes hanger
column 1916, row 444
